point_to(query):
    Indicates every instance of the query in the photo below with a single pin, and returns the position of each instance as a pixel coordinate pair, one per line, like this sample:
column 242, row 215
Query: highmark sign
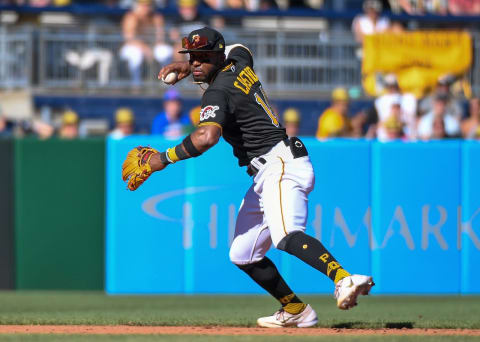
column 157, row 207
column 404, row 213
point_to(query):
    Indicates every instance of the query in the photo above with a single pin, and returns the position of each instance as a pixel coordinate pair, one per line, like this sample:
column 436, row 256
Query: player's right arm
column 235, row 52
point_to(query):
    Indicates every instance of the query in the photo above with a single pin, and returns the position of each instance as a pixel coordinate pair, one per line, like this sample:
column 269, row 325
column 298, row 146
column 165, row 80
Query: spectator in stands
column 439, row 110
column 370, row 22
column 5, row 128
column 131, row 3
column 364, row 123
column 187, row 20
column 69, row 125
column 464, row 7
column 438, row 7
column 195, row 115
column 124, row 123
column 438, row 130
column 385, row 103
column 393, row 126
column 170, row 122
column 61, row 3
column 334, row 121
column 443, row 86
column 291, row 121
column 188, row 10
column 39, row 3
column 135, row 25
column 420, row 7
column 471, row 125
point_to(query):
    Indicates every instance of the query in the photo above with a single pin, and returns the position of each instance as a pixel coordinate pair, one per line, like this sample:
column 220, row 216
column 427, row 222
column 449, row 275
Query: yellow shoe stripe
column 341, row 273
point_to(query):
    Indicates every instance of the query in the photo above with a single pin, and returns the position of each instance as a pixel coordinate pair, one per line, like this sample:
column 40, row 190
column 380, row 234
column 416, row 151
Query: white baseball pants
column 274, row 206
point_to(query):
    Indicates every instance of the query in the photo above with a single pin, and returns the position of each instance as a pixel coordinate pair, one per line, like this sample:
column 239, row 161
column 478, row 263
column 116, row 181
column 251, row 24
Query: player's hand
column 156, row 164
column 181, row 68
column 136, row 168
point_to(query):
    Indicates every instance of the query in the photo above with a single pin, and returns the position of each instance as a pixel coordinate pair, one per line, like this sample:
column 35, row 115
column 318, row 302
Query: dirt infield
column 217, row 330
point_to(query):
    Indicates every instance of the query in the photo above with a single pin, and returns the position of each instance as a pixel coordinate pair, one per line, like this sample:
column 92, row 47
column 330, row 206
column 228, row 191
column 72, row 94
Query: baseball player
column 274, row 209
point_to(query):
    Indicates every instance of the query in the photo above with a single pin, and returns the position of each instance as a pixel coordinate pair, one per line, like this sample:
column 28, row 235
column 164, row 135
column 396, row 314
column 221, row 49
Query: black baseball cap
column 204, row 39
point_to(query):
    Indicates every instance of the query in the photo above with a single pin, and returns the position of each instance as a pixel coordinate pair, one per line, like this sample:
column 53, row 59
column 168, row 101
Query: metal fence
column 16, row 55
column 287, row 62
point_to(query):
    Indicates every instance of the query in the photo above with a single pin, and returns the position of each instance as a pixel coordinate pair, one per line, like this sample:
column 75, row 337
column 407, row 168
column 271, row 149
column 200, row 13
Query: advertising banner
column 392, row 210
column 339, row 211
column 415, row 201
column 172, row 235
column 470, row 241
column 417, row 58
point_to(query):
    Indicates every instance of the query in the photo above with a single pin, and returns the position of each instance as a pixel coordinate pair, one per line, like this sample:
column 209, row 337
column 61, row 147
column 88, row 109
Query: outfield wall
column 7, row 264
column 59, row 214
column 403, row 212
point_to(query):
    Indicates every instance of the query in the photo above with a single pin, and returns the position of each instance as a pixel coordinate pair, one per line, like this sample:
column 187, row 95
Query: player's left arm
column 213, row 116
column 141, row 161
column 202, row 139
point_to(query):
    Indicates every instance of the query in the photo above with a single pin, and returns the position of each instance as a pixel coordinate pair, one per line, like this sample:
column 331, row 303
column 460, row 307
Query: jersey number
column 263, row 102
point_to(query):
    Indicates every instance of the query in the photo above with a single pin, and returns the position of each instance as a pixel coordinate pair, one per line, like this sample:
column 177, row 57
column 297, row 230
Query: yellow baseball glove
column 136, row 168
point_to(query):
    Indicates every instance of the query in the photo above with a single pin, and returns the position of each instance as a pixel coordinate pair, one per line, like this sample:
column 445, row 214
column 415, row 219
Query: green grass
column 177, row 338
column 46, row 307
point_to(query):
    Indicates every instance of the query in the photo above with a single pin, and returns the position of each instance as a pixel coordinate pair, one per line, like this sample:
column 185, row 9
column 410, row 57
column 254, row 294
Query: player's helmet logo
column 208, row 112
column 195, row 39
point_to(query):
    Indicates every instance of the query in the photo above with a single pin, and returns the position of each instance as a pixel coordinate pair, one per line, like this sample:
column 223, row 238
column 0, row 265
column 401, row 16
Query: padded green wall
column 6, row 215
column 59, row 214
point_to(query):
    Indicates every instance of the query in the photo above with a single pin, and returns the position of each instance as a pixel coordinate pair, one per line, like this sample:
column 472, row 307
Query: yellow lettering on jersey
column 245, row 80
column 245, row 77
column 251, row 74
column 241, row 87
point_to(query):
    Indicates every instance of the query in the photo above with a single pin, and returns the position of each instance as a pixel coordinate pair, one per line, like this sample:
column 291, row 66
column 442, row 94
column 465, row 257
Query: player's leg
column 284, row 194
column 251, row 242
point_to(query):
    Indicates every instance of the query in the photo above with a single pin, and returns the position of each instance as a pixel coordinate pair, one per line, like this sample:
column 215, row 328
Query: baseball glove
column 136, row 168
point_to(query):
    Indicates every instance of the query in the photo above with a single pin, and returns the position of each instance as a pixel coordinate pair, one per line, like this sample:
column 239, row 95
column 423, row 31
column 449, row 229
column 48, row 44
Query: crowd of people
column 411, row 7
column 394, row 115
column 171, row 122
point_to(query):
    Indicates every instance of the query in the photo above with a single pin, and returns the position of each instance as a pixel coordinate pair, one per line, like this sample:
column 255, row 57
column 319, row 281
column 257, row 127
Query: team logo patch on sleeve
column 208, row 112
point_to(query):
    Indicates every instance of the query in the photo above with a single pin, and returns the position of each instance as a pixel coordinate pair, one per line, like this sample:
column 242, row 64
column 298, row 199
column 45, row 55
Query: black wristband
column 164, row 159
column 190, row 148
column 180, row 152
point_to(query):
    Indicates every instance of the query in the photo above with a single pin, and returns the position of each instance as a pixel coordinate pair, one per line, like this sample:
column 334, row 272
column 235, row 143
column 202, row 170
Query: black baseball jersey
column 236, row 102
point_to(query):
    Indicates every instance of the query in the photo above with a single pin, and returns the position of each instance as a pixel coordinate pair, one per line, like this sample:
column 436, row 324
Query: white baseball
column 170, row 78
